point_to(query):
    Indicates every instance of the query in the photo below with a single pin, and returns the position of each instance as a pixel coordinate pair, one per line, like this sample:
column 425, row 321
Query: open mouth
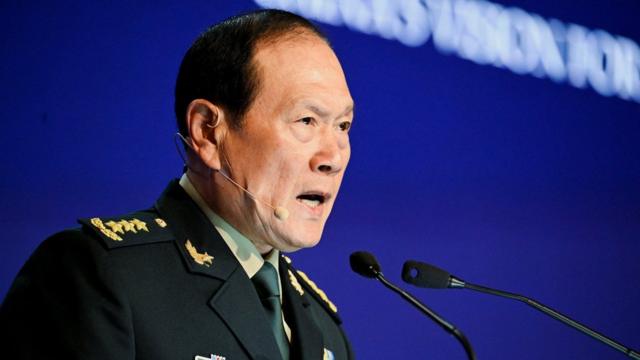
column 312, row 200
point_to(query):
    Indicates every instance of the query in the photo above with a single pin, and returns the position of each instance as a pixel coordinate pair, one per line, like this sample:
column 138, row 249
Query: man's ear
column 206, row 125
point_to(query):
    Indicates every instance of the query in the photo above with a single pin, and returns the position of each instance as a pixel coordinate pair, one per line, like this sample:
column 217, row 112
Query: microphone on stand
column 365, row 264
column 429, row 276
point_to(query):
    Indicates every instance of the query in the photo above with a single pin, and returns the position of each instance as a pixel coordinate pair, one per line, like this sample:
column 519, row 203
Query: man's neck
column 244, row 249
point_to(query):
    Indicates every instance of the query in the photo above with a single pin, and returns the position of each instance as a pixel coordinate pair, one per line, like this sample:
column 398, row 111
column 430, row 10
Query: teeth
column 310, row 203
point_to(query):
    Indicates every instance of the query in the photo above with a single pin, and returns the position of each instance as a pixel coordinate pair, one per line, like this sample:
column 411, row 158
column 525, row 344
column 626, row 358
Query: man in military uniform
column 264, row 112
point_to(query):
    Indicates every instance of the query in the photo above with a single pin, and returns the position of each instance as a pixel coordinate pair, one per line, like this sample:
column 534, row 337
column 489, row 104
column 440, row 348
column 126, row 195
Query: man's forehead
column 277, row 49
column 270, row 57
column 293, row 36
column 304, row 59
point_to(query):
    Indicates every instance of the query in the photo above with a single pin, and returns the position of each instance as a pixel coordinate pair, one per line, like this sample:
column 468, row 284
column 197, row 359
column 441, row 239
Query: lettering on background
column 491, row 34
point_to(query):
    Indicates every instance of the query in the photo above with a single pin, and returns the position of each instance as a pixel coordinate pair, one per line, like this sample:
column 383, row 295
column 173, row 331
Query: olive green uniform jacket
column 156, row 284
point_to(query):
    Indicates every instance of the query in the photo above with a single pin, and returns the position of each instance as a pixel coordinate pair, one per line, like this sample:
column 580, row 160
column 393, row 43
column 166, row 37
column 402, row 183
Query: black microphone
column 429, row 276
column 365, row 264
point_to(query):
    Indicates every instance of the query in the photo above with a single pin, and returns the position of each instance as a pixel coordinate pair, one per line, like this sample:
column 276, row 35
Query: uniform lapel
column 245, row 316
column 204, row 251
column 196, row 237
column 306, row 338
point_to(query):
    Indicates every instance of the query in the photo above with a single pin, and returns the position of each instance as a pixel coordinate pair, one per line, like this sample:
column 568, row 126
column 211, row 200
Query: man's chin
column 293, row 245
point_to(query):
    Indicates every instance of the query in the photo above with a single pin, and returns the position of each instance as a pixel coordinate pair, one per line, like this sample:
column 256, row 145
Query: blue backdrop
column 517, row 182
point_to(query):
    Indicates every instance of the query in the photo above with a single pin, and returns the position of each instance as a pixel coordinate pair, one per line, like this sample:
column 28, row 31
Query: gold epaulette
column 133, row 229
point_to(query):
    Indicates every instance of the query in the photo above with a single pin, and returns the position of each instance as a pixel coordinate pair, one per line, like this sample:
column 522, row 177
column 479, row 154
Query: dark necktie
column 266, row 283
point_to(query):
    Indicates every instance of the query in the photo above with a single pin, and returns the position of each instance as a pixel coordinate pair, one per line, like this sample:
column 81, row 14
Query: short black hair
column 219, row 66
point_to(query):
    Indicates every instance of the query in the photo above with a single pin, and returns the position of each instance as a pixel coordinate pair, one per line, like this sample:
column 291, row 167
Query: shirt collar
column 242, row 248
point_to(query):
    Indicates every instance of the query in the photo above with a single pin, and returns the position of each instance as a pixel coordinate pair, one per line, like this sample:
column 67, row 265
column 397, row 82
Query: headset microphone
column 281, row 213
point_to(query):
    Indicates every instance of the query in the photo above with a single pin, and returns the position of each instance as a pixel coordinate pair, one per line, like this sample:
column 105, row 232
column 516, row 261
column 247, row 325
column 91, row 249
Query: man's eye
column 306, row 120
column 345, row 126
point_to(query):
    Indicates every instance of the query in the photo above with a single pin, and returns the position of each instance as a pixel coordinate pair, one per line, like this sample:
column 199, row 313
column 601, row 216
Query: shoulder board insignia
column 137, row 228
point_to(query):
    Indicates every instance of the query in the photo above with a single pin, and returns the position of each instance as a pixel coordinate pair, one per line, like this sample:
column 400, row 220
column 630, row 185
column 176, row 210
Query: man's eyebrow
column 323, row 113
column 316, row 109
column 349, row 109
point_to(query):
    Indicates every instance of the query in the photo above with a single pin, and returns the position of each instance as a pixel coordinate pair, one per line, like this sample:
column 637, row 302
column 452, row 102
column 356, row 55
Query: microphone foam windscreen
column 364, row 264
column 425, row 275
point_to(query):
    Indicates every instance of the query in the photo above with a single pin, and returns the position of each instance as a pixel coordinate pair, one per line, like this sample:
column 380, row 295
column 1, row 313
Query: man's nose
column 329, row 159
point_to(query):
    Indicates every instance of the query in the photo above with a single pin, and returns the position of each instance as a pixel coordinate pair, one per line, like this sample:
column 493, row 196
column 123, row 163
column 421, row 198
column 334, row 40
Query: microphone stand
column 430, row 313
column 457, row 283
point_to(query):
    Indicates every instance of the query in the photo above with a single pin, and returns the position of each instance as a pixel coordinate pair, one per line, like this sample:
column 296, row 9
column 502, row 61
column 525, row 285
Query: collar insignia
column 202, row 259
